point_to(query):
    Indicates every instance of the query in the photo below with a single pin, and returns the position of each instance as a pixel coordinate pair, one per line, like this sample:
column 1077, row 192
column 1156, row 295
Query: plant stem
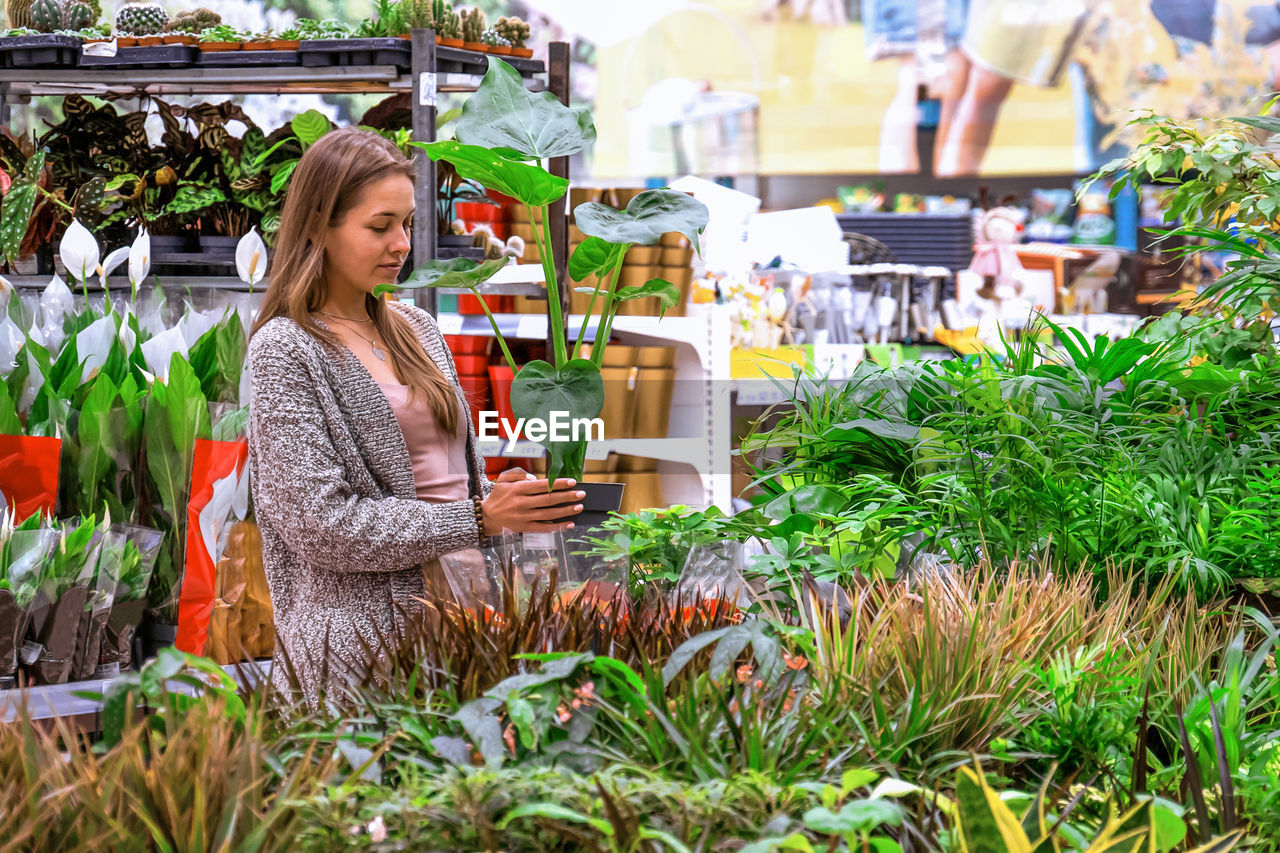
column 511, row 362
column 606, row 285
column 606, row 319
column 554, row 310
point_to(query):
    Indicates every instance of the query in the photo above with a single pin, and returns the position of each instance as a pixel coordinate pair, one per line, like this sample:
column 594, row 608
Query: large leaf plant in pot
column 504, row 136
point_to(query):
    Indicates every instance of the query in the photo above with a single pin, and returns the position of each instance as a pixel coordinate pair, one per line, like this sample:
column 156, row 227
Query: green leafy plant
column 504, row 134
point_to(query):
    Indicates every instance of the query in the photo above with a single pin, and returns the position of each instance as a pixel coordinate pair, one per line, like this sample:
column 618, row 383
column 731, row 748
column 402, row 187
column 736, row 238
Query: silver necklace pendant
column 378, row 352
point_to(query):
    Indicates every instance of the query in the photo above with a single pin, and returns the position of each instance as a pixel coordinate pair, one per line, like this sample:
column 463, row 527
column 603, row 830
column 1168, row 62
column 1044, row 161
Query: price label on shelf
column 597, row 450
column 759, row 394
column 450, row 324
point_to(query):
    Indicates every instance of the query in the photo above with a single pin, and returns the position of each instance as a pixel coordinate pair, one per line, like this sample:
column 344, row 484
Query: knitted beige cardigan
column 344, row 537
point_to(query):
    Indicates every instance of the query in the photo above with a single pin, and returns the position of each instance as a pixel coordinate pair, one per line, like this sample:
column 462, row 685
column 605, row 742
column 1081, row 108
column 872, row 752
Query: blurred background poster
column 1010, row 87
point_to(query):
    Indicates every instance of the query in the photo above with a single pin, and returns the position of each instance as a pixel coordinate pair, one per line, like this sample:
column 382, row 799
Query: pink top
column 439, row 460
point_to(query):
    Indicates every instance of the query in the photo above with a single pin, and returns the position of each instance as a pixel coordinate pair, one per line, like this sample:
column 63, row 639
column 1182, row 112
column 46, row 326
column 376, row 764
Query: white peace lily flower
column 112, row 261
column 93, row 345
column 251, row 257
column 139, row 258
column 158, row 352
column 6, row 287
column 194, row 325
column 79, row 251
column 125, row 332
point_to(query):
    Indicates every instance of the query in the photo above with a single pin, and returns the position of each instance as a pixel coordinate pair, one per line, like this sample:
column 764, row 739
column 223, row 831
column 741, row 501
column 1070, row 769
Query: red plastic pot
column 468, row 344
column 478, row 211
column 476, row 388
column 471, row 365
column 468, row 304
column 500, row 379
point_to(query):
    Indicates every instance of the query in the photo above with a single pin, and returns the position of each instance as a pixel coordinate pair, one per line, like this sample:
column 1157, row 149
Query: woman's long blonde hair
column 327, row 183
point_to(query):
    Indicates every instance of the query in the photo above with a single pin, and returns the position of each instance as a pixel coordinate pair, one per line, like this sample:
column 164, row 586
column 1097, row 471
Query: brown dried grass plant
column 933, row 670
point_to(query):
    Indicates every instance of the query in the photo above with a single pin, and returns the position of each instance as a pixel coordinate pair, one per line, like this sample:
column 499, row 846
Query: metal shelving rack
column 433, row 71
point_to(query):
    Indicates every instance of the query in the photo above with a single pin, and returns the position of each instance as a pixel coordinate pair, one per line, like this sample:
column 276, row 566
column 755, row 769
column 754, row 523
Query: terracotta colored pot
column 256, row 45
column 219, row 45
column 523, row 52
column 284, row 44
column 126, row 41
column 439, row 40
column 171, row 39
column 405, row 36
column 476, row 46
column 150, row 41
column 451, row 42
column 500, row 49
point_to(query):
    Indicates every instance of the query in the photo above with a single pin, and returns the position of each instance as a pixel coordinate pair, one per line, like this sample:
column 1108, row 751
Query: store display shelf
column 48, row 701
column 206, row 81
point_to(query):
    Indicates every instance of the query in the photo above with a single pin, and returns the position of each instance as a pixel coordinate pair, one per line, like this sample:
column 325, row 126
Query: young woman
column 363, row 458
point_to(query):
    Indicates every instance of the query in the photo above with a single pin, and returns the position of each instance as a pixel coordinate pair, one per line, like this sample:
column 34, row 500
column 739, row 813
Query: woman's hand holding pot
column 522, row 504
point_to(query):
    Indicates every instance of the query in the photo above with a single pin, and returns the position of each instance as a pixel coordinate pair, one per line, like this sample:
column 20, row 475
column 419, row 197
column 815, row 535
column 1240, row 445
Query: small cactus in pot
column 418, row 14
column 473, row 26
column 141, row 18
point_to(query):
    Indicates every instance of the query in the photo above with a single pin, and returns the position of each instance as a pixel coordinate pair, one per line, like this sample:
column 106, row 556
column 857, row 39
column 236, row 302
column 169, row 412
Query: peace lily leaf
column 529, row 184
column 648, row 216
column 139, row 258
column 667, row 293
column 576, row 390
column 79, row 251
column 504, row 115
column 251, row 257
column 458, row 272
column 594, row 255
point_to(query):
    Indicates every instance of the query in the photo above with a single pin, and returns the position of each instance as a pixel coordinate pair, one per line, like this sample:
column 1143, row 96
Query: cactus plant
column 450, row 26
column 19, row 13
column 141, row 18
column 194, row 20
column 513, row 29
column 418, row 14
column 473, row 25
column 76, row 15
column 46, row 15
column 491, row 38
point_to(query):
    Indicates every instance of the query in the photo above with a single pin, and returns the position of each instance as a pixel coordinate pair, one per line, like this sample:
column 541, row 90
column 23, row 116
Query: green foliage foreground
column 1139, row 721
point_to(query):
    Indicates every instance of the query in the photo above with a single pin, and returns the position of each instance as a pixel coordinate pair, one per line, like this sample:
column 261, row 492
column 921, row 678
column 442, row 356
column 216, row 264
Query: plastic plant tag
column 29, row 473
column 216, row 470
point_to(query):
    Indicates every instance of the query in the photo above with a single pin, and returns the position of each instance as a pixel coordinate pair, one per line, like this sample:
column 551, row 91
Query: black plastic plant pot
column 154, row 56
column 46, row 50
column 372, row 51
column 256, row 58
column 601, row 499
column 150, row 639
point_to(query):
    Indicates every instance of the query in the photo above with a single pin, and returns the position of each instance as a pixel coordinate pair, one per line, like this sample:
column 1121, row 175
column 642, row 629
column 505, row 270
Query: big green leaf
column 855, row 817
column 252, row 146
column 458, row 272
column 539, row 390
column 9, row 423
column 647, row 217
column 529, row 184
column 519, row 124
column 99, row 443
column 15, row 216
column 667, row 294
column 310, row 126
column 594, row 255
